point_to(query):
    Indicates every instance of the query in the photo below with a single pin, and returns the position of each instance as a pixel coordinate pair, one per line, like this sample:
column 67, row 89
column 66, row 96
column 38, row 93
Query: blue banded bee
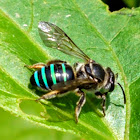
column 57, row 77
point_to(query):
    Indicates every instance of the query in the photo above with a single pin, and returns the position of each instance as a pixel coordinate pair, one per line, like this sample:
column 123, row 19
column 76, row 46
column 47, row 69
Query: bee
column 57, row 77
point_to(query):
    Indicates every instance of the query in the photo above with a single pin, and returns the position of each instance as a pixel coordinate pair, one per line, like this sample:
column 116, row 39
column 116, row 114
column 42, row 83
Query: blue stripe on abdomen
column 64, row 72
column 36, row 78
column 44, row 77
column 53, row 73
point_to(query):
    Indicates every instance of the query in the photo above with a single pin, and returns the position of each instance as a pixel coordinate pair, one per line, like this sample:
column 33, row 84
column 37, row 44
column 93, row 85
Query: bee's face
column 111, row 80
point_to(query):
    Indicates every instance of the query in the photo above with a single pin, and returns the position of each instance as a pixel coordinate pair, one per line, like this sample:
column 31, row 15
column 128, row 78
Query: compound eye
column 112, row 87
column 112, row 81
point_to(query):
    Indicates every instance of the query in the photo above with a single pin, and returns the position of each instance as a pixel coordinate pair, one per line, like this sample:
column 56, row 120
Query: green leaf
column 13, row 128
column 111, row 39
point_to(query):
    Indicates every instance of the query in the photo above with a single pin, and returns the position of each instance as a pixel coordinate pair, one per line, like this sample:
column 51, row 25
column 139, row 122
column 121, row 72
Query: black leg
column 52, row 94
column 79, row 104
column 103, row 96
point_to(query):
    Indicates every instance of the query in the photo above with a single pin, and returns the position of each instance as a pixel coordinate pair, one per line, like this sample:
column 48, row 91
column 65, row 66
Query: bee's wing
column 54, row 37
column 73, row 84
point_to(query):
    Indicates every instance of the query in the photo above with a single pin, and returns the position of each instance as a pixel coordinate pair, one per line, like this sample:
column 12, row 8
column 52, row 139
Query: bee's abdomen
column 52, row 74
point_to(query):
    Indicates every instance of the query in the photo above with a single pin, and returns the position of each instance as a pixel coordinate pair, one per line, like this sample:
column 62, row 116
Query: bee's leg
column 55, row 62
column 35, row 66
column 50, row 95
column 79, row 104
column 103, row 103
column 53, row 94
column 103, row 97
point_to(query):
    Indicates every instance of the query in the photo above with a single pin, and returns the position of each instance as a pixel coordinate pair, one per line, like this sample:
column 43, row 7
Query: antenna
column 123, row 92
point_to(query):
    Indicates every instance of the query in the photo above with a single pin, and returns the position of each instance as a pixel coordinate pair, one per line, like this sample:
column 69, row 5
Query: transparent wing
column 73, row 84
column 54, row 37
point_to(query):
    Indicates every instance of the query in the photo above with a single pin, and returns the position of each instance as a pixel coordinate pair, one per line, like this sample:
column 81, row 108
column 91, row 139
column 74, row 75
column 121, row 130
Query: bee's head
column 111, row 82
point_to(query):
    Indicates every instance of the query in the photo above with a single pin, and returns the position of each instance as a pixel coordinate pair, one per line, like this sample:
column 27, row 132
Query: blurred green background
column 15, row 128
